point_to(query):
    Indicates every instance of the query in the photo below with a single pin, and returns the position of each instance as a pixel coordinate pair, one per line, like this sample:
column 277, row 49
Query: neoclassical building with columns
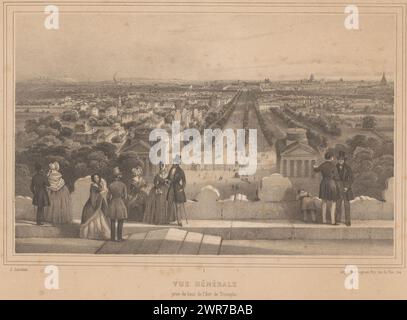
column 295, row 158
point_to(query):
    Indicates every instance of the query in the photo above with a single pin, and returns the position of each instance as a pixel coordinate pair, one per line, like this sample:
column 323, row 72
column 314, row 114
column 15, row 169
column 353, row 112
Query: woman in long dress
column 137, row 196
column 59, row 210
column 328, row 188
column 156, row 211
column 94, row 224
column 176, row 192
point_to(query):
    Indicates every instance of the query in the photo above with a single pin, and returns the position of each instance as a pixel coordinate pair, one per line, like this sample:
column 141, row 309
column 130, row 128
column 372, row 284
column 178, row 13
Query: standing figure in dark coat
column 345, row 184
column 176, row 194
column 328, row 188
column 39, row 184
column 117, row 210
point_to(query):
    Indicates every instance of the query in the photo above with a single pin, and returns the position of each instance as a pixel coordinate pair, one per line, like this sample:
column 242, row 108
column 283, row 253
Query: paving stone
column 133, row 244
column 210, row 244
column 134, row 227
column 172, row 241
column 111, row 247
column 153, row 241
column 191, row 244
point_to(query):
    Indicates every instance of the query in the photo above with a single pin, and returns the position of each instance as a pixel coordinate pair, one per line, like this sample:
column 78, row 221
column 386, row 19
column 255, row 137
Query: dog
column 307, row 205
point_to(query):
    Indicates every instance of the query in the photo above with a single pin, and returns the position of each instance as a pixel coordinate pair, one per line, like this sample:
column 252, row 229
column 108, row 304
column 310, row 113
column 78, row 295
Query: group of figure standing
column 108, row 206
column 51, row 196
column 166, row 199
column 164, row 204
column 336, row 187
column 335, row 190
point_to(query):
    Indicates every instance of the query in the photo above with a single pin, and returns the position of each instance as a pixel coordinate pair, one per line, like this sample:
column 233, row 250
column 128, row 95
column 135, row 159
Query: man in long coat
column 176, row 194
column 345, row 184
column 117, row 209
column 39, row 183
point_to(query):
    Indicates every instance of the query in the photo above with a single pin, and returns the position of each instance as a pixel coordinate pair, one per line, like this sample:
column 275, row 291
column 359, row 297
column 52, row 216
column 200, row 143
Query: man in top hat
column 176, row 194
column 39, row 184
column 117, row 210
column 345, row 184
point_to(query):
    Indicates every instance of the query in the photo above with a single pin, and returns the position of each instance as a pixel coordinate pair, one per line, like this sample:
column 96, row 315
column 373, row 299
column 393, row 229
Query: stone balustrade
column 277, row 201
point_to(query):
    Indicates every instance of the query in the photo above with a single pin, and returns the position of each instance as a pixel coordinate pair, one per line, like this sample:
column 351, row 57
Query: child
column 307, row 205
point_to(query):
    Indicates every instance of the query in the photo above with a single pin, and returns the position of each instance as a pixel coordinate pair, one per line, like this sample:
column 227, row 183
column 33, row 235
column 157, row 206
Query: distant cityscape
column 101, row 124
column 126, row 110
column 111, row 111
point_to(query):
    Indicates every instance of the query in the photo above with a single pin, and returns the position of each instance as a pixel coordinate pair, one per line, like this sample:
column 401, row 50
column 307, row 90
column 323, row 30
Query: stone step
column 191, row 244
column 285, row 230
column 210, row 244
column 28, row 229
column 164, row 241
column 110, row 247
column 347, row 248
column 152, row 242
column 57, row 245
column 282, row 229
column 233, row 230
column 172, row 241
column 133, row 244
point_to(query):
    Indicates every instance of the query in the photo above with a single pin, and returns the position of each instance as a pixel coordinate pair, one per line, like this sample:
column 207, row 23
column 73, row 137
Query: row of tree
column 265, row 126
column 46, row 130
column 218, row 118
column 291, row 123
column 328, row 127
column 372, row 162
column 46, row 140
column 74, row 163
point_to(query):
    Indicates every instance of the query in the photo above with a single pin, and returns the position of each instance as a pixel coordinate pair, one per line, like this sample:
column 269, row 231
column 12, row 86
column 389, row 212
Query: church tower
column 383, row 81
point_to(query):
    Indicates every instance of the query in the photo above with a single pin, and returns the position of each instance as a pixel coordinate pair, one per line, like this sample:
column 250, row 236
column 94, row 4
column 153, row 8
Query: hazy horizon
column 204, row 47
column 130, row 79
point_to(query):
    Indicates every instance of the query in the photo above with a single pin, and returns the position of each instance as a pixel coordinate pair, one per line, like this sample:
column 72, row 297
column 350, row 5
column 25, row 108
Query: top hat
column 341, row 155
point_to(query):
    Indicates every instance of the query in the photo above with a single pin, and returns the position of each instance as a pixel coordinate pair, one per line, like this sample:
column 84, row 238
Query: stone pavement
column 213, row 237
column 163, row 241
column 133, row 245
column 236, row 230
column 308, row 247
column 293, row 230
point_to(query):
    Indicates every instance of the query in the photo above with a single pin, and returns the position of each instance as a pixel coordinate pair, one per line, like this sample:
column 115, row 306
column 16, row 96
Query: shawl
column 55, row 180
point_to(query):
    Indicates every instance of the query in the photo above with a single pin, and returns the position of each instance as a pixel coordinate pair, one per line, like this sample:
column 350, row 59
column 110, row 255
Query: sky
column 94, row 47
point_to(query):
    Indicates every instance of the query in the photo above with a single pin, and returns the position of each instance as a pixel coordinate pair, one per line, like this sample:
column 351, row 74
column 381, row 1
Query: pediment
column 299, row 150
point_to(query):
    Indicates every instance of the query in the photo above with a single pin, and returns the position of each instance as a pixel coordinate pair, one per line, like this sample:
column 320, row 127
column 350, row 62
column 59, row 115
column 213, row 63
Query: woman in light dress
column 60, row 210
column 95, row 224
